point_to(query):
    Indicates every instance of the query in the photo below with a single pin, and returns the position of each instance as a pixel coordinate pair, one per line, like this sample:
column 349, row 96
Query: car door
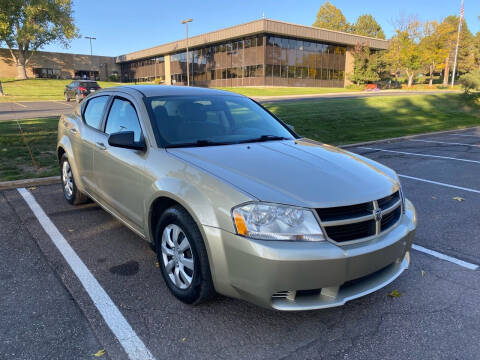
column 119, row 172
column 85, row 143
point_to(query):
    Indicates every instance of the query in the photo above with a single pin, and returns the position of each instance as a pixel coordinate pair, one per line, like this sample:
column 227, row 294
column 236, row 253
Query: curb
column 404, row 137
column 6, row 185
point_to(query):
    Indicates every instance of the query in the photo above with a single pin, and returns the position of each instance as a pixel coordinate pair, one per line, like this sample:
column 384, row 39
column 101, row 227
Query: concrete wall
column 66, row 63
column 349, row 65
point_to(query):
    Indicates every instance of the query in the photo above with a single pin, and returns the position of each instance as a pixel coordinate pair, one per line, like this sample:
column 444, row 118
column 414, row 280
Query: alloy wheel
column 67, row 179
column 177, row 256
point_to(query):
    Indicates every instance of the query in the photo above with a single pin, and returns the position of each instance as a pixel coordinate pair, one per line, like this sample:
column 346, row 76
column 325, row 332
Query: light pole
column 90, row 38
column 188, row 66
column 91, row 52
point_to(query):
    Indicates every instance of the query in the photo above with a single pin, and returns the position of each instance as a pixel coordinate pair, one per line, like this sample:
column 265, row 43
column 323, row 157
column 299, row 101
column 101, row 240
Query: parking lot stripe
column 416, row 154
column 477, row 136
column 444, row 142
column 16, row 103
column 439, row 183
column 445, row 257
column 131, row 343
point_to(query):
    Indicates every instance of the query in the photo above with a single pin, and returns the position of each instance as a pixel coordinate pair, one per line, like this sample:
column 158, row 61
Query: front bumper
column 307, row 275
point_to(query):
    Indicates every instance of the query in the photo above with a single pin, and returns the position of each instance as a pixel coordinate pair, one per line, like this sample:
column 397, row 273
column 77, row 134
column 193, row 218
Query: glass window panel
column 276, row 70
column 269, row 70
column 123, row 117
column 291, row 72
column 260, row 40
column 94, row 111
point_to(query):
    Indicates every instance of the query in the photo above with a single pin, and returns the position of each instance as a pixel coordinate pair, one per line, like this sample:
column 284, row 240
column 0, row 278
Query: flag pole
column 460, row 24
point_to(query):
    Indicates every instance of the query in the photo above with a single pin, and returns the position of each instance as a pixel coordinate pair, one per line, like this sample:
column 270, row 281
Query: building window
column 46, row 73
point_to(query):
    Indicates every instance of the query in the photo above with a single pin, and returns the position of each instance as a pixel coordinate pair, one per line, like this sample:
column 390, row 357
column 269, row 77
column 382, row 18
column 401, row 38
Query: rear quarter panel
column 69, row 139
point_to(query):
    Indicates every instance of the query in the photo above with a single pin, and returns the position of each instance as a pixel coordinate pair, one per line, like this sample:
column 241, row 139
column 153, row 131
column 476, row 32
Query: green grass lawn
column 279, row 91
column 38, row 89
column 343, row 121
column 15, row 160
column 334, row 121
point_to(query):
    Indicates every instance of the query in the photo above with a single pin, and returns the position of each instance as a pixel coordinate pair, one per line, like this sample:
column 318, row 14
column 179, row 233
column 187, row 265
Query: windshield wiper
column 198, row 143
column 264, row 138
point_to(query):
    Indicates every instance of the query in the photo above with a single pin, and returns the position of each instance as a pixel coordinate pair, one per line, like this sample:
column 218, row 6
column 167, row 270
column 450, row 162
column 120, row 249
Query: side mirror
column 126, row 139
column 291, row 127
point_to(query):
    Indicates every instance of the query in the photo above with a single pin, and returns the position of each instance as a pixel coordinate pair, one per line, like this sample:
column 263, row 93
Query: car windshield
column 184, row 121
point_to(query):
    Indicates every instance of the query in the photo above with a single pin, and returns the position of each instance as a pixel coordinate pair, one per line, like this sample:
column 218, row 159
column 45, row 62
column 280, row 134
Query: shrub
column 470, row 81
column 158, row 81
column 113, row 77
column 355, row 87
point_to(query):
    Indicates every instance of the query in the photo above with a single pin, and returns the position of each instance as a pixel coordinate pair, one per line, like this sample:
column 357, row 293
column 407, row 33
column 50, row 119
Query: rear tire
column 78, row 98
column 67, row 99
column 182, row 257
column 70, row 190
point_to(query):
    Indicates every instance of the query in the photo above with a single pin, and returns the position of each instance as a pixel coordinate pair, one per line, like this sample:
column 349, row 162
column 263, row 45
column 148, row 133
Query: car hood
column 301, row 172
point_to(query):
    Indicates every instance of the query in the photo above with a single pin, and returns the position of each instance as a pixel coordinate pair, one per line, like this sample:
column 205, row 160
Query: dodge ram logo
column 377, row 213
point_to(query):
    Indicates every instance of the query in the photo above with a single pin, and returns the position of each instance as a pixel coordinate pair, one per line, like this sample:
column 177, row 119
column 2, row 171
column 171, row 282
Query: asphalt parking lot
column 45, row 312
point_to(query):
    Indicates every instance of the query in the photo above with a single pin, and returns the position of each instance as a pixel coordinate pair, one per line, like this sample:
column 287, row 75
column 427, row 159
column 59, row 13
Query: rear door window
column 94, row 111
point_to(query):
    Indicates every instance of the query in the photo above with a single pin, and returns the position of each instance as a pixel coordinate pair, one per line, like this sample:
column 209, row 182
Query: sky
column 123, row 26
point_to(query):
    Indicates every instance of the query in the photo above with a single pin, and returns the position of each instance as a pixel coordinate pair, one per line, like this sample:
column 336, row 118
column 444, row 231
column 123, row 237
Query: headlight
column 402, row 196
column 276, row 222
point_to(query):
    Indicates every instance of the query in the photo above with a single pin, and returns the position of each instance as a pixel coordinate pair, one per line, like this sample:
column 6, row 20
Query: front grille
column 391, row 218
column 351, row 232
column 356, row 222
column 345, row 212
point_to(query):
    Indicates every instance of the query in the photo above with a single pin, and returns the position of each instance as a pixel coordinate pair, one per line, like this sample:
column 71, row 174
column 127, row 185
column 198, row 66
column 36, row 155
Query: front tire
column 182, row 257
column 70, row 190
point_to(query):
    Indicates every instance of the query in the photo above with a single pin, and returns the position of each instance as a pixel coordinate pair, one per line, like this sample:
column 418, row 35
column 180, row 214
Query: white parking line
column 445, row 257
column 441, row 184
column 20, row 104
column 62, row 103
column 445, row 142
column 476, row 136
column 417, row 154
column 131, row 343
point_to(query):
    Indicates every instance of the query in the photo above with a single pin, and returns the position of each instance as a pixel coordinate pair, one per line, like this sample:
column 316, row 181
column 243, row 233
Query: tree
column 470, row 81
column 465, row 61
column 332, row 18
column 476, row 47
column 367, row 68
column 366, row 25
column 28, row 25
column 404, row 51
column 432, row 48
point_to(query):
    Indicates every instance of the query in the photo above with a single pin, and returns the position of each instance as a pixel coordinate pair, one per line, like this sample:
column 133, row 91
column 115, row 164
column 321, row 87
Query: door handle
column 100, row 146
column 74, row 131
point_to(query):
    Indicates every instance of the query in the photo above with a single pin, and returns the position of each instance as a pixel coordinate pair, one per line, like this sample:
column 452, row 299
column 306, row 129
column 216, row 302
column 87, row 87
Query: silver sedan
column 233, row 200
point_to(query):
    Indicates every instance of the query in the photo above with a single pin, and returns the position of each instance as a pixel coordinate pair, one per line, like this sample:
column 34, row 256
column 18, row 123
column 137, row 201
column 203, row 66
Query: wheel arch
column 157, row 207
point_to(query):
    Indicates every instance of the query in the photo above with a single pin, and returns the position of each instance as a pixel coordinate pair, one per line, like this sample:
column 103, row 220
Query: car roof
column 169, row 90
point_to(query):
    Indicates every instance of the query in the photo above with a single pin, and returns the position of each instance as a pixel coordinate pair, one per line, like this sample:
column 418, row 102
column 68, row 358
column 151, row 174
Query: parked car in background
column 233, row 200
column 80, row 89
column 372, row 87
